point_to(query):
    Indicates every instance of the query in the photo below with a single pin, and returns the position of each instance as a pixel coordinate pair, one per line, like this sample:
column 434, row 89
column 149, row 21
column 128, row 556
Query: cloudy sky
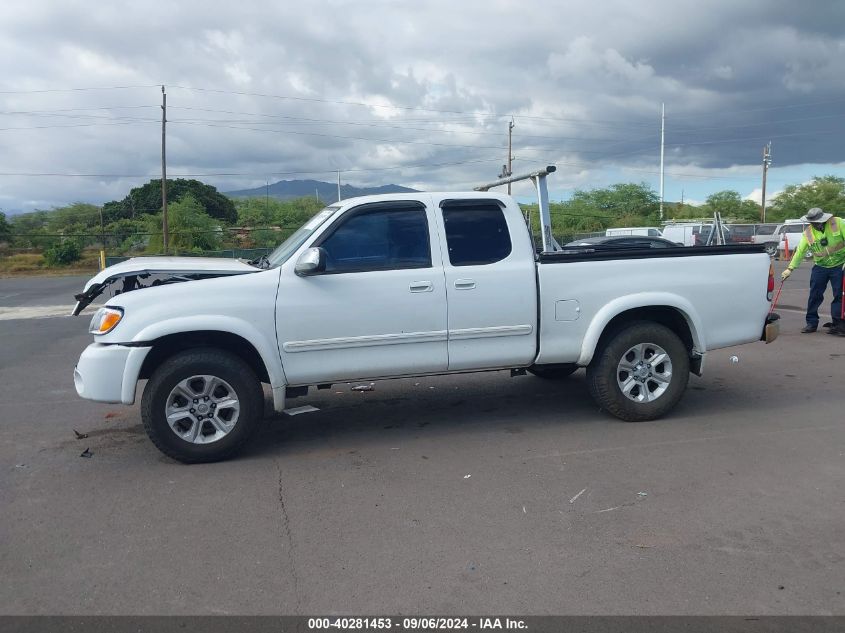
column 417, row 93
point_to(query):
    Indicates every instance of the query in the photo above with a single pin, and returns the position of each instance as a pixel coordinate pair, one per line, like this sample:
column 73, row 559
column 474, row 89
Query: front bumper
column 109, row 373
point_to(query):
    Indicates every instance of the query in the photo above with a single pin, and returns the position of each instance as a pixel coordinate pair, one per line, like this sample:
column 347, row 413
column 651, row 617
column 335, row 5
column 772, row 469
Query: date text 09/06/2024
column 416, row 624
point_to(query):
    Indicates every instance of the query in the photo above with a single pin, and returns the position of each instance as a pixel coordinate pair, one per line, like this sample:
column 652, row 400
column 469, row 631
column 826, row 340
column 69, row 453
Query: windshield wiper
column 261, row 262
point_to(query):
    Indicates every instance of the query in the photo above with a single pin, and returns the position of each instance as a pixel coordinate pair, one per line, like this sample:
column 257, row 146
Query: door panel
column 366, row 323
column 490, row 286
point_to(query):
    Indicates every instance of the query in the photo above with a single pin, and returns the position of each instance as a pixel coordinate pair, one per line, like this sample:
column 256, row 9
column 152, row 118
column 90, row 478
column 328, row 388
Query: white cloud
column 724, row 72
column 584, row 82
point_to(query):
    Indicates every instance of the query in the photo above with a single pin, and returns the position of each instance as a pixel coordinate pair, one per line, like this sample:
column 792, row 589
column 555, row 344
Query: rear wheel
column 553, row 372
column 640, row 372
column 202, row 405
column 771, row 249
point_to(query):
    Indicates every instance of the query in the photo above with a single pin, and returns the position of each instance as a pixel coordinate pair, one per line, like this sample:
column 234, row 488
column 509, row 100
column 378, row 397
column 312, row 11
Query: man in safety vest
column 825, row 239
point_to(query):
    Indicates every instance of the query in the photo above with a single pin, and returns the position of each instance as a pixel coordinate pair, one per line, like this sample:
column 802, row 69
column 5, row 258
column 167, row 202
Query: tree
column 620, row 200
column 285, row 216
column 146, row 200
column 63, row 253
column 191, row 228
column 5, row 229
column 588, row 211
column 731, row 205
column 827, row 192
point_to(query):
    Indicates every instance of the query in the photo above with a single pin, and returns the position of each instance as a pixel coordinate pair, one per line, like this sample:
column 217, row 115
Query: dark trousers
column 819, row 278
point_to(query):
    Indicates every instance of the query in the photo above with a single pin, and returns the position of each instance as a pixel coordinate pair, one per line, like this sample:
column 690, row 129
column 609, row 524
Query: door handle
column 464, row 284
column 421, row 286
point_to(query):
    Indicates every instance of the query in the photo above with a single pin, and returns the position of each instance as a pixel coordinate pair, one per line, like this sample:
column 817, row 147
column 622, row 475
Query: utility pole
column 103, row 241
column 510, row 153
column 662, row 140
column 267, row 196
column 767, row 160
column 164, row 231
column 338, row 185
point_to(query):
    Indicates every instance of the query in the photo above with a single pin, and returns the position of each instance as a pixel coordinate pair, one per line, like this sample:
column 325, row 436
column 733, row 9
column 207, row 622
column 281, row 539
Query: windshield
column 290, row 245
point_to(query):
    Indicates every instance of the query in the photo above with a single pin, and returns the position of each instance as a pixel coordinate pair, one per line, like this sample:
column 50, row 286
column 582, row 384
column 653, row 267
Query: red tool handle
column 777, row 296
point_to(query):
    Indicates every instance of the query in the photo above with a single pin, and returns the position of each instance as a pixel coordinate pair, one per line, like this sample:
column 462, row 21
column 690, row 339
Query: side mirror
column 311, row 262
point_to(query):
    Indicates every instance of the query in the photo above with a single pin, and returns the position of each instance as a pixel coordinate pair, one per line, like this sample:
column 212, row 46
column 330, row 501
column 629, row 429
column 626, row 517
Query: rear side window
column 476, row 235
column 653, row 233
column 381, row 238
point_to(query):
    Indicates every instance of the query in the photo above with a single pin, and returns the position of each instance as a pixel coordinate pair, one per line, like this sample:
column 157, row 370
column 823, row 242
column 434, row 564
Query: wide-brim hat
column 816, row 216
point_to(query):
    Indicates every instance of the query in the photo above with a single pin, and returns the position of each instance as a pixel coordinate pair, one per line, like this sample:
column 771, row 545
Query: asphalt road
column 470, row 494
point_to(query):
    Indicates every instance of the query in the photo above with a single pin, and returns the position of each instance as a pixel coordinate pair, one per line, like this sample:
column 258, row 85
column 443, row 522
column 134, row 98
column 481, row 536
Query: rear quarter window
column 476, row 234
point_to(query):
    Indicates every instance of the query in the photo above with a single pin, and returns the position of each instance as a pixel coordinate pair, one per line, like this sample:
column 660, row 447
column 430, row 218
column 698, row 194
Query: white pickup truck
column 411, row 284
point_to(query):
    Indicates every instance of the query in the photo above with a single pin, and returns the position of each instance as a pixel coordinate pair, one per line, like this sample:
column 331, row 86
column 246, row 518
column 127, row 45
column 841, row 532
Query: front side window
column 379, row 238
column 289, row 246
column 476, row 234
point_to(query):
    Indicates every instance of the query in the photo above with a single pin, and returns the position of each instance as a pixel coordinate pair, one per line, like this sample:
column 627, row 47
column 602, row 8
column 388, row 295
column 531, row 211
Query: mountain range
column 326, row 191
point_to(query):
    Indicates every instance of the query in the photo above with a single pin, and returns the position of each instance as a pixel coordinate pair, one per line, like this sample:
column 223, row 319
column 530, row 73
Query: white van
column 688, row 233
column 788, row 236
column 650, row 231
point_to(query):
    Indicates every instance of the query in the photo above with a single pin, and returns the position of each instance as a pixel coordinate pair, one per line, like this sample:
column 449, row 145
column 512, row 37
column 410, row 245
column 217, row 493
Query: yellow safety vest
column 818, row 250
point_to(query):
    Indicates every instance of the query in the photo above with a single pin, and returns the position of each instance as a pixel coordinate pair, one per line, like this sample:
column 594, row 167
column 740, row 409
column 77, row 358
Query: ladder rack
column 539, row 179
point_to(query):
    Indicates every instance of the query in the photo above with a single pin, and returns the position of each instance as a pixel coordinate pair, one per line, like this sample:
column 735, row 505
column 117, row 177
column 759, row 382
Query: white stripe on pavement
column 40, row 312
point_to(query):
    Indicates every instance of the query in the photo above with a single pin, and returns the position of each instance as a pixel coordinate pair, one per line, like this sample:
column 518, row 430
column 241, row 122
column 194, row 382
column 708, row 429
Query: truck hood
column 181, row 268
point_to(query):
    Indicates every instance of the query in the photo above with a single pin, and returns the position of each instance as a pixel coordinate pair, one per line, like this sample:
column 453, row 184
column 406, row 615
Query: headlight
column 105, row 320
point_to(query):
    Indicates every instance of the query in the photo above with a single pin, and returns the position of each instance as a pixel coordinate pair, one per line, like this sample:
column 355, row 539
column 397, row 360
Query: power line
column 40, row 112
column 399, row 127
column 21, row 92
column 317, row 100
column 412, row 108
column 48, row 127
column 356, row 138
column 249, row 174
column 769, row 109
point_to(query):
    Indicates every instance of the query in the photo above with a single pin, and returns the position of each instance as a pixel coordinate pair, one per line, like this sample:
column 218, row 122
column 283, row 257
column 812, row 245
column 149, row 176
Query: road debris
column 575, row 498
column 467, row 476
column 370, row 387
column 734, row 359
column 297, row 410
column 21, row 466
column 642, row 494
column 79, row 436
column 87, row 453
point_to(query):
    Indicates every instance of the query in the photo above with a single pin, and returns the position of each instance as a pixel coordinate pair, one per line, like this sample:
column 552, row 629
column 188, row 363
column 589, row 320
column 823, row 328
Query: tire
column 553, row 372
column 201, row 430
column 771, row 249
column 652, row 390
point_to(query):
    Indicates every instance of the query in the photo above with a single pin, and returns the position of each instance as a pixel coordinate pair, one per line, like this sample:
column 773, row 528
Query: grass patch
column 25, row 264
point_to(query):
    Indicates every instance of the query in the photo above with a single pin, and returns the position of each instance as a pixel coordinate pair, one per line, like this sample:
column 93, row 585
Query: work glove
column 785, row 274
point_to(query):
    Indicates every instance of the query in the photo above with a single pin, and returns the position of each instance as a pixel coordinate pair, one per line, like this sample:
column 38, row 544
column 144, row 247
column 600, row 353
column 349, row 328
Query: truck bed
column 718, row 293
column 601, row 252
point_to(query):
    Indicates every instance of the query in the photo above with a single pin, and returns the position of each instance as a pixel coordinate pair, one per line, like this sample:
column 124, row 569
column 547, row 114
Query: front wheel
column 202, row 405
column 640, row 372
column 771, row 249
